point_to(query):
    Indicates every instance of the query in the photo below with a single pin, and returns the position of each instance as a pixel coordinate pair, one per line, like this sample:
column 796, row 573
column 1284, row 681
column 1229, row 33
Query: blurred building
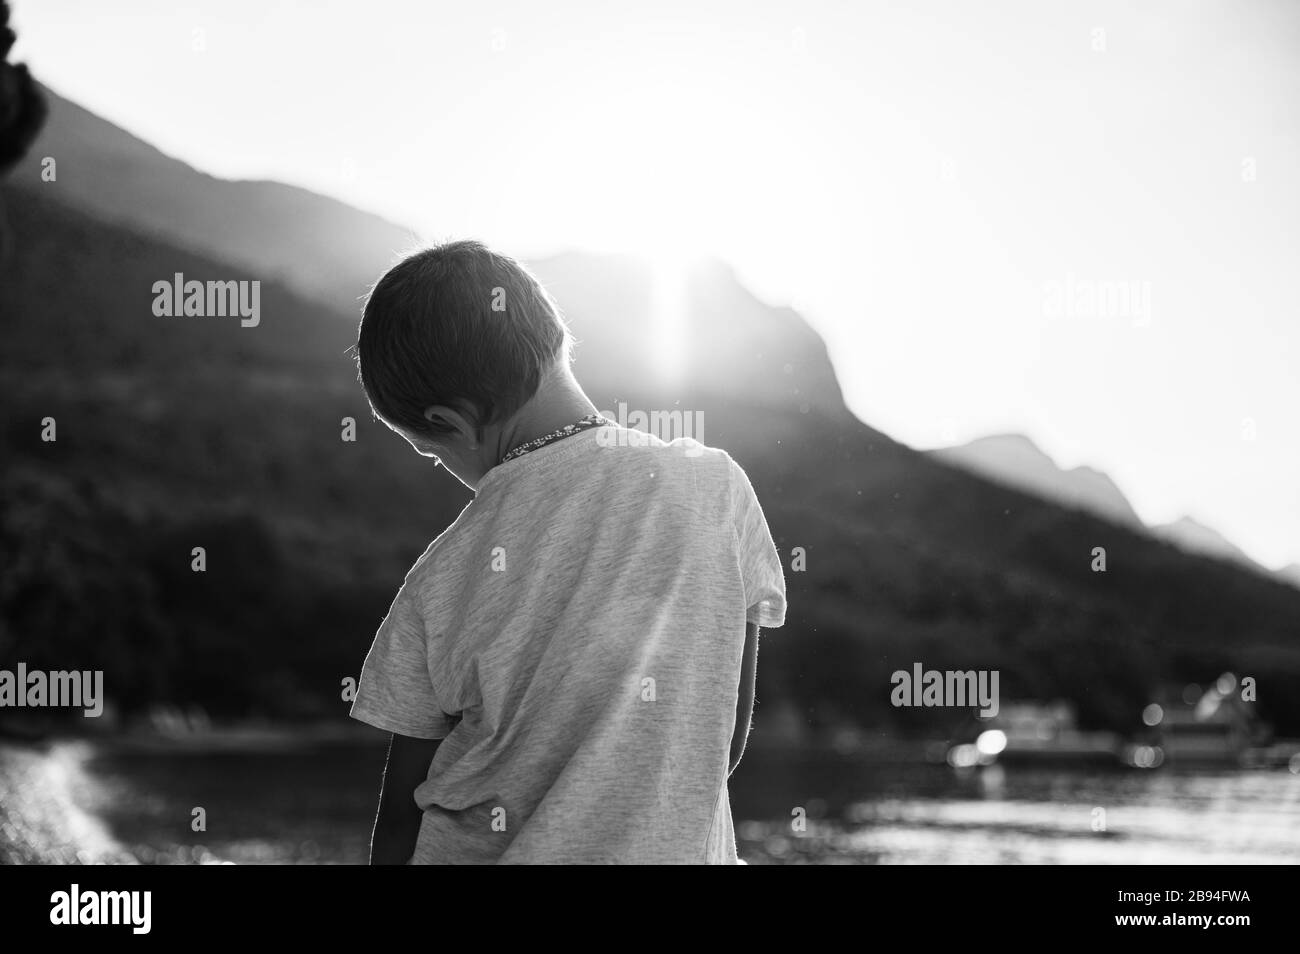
column 1195, row 724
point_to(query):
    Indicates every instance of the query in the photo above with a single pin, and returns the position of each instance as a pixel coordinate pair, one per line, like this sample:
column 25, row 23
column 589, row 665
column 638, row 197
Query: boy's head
column 455, row 339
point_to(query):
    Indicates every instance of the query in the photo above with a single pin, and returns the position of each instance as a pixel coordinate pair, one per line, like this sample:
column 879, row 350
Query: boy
column 568, row 670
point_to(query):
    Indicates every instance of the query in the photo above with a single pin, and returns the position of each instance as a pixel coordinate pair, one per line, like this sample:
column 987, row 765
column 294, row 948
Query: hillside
column 1013, row 460
column 336, row 250
column 1016, row 461
column 1195, row 537
column 178, row 434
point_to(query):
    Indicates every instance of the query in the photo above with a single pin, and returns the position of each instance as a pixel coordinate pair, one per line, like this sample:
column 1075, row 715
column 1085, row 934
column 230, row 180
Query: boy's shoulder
column 420, row 569
column 706, row 469
column 687, row 449
column 707, row 477
column 703, row 472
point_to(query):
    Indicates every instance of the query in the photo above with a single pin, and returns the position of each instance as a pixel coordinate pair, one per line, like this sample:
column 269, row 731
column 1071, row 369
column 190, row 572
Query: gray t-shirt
column 575, row 638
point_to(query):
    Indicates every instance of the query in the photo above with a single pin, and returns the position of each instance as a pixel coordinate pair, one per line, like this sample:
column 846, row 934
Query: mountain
column 1016, row 461
column 336, row 252
column 1192, row 536
column 780, row 363
column 325, row 250
column 177, row 433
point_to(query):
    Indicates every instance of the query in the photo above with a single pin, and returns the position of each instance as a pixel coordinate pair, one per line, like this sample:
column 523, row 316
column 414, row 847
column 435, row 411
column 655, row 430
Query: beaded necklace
column 591, row 420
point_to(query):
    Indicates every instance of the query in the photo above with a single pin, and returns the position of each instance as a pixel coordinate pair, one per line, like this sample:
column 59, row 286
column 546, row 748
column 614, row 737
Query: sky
column 1079, row 222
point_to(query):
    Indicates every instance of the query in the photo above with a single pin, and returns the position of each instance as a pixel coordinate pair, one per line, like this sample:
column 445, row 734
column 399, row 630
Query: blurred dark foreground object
column 22, row 107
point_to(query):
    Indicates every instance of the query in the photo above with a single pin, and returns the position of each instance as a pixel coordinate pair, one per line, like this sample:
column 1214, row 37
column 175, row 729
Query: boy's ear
column 451, row 421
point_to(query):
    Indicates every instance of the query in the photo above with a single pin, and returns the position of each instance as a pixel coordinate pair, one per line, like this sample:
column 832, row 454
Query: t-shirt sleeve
column 760, row 566
column 395, row 693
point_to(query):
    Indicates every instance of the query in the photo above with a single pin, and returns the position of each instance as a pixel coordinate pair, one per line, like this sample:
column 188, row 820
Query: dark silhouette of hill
column 176, row 433
column 331, row 252
column 1016, row 461
column 335, row 250
column 1193, row 536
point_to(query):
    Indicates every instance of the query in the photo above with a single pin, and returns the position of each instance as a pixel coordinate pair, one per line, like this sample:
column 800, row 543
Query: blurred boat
column 1036, row 733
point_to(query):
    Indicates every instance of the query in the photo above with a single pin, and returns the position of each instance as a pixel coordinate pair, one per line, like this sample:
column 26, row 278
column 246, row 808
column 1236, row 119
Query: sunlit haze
column 923, row 181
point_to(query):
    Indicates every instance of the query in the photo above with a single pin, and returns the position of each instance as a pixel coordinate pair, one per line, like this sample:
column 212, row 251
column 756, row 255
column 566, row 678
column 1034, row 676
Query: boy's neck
column 559, row 400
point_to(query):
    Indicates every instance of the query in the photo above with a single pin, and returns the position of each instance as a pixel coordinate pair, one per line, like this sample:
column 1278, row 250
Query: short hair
column 456, row 324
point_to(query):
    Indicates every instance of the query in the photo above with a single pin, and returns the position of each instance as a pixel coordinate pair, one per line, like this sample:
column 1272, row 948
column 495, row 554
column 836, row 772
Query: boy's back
column 575, row 637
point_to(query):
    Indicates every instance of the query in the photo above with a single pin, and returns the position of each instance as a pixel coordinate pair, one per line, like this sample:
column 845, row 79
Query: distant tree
column 22, row 107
